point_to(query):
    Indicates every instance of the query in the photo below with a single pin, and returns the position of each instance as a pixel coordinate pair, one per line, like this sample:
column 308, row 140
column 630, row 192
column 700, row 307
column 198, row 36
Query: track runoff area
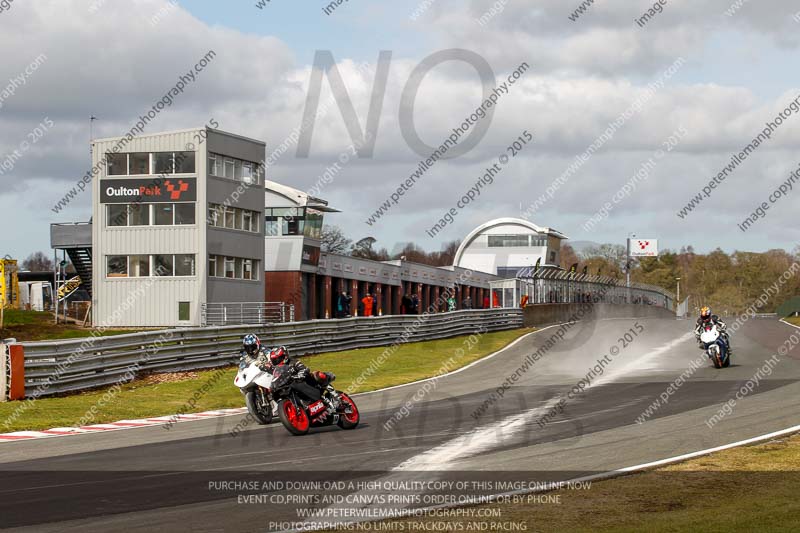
column 572, row 417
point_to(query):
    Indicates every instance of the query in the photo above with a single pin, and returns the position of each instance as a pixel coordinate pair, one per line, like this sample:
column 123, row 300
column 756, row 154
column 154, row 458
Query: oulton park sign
column 151, row 190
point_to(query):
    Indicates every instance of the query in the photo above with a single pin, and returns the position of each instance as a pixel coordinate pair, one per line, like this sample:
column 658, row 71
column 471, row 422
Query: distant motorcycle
column 301, row 404
column 255, row 384
column 715, row 346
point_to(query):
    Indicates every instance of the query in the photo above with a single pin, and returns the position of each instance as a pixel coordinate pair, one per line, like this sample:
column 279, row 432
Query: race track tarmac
column 565, row 416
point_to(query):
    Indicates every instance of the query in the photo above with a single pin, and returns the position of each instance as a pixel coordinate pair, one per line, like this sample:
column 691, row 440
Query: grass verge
column 751, row 488
column 38, row 326
column 159, row 395
column 793, row 320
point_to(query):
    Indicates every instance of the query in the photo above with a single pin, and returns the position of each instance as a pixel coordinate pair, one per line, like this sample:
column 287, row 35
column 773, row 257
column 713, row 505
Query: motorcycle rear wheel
column 349, row 420
column 293, row 418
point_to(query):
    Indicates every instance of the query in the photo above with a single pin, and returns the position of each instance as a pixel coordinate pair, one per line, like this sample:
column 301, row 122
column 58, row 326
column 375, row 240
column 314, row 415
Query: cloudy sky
column 736, row 70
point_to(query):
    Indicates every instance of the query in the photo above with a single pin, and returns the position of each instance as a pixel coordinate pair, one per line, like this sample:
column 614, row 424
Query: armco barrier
column 545, row 314
column 5, row 371
column 73, row 365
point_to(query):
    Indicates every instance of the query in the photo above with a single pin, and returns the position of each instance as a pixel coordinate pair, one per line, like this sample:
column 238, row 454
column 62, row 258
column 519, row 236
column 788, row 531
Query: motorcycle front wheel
column 293, row 418
column 262, row 413
column 716, row 360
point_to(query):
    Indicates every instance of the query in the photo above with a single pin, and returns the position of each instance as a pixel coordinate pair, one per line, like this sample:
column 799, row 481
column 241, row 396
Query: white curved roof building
column 503, row 246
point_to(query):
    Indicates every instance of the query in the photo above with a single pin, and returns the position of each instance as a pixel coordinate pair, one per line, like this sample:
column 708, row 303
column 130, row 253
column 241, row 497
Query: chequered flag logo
column 175, row 194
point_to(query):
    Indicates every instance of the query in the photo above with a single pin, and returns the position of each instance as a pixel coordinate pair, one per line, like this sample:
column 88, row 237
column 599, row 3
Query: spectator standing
column 367, row 301
column 486, row 302
column 414, row 304
column 451, row 303
column 347, row 302
column 467, row 302
column 340, row 305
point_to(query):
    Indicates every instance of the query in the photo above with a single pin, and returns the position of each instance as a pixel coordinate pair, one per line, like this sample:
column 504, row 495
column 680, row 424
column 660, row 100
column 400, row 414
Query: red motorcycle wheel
column 294, row 419
column 348, row 420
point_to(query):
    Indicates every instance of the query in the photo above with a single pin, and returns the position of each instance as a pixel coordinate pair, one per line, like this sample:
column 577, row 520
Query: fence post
column 291, row 313
column 17, row 360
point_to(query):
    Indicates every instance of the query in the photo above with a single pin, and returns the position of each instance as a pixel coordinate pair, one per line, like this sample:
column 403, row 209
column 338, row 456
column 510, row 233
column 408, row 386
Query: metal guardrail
column 54, row 367
column 233, row 313
column 5, row 371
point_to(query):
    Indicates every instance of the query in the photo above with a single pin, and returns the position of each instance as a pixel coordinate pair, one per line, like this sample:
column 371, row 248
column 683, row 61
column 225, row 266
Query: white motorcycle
column 716, row 347
column 255, row 384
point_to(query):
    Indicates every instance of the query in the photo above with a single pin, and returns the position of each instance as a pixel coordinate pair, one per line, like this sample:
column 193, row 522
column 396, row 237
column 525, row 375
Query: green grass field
column 38, row 326
column 160, row 395
column 751, row 488
column 794, row 320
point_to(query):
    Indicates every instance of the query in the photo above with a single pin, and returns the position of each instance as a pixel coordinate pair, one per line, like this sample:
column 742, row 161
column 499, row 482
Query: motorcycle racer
column 321, row 380
column 705, row 319
column 251, row 347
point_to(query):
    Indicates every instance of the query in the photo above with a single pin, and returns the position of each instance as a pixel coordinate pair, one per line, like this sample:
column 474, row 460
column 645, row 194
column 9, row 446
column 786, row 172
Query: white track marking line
column 788, row 323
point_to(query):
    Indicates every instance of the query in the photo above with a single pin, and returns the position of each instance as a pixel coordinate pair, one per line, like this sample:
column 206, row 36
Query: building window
column 230, row 215
column 232, row 218
column 235, row 169
column 184, row 264
column 230, row 267
column 138, row 266
column 183, row 311
column 139, row 163
column 313, row 224
column 247, row 221
column 117, row 266
column 185, row 163
column 138, row 214
column 247, row 269
column 117, row 215
column 163, row 214
column 233, row 267
column 163, row 265
column 508, row 241
column 271, row 224
column 117, row 164
column 184, row 214
column 214, row 165
column 285, row 221
column 247, row 172
column 552, row 256
column 120, row 215
column 164, row 163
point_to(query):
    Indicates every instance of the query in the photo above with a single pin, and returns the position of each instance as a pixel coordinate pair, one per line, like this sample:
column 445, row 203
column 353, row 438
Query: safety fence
column 551, row 286
column 73, row 365
column 224, row 314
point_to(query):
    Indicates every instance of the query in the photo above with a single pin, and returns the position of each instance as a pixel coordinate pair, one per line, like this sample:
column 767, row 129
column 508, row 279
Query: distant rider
column 706, row 319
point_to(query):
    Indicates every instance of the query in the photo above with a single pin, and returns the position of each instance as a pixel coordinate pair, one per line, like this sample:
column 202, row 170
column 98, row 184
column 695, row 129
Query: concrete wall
column 545, row 314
